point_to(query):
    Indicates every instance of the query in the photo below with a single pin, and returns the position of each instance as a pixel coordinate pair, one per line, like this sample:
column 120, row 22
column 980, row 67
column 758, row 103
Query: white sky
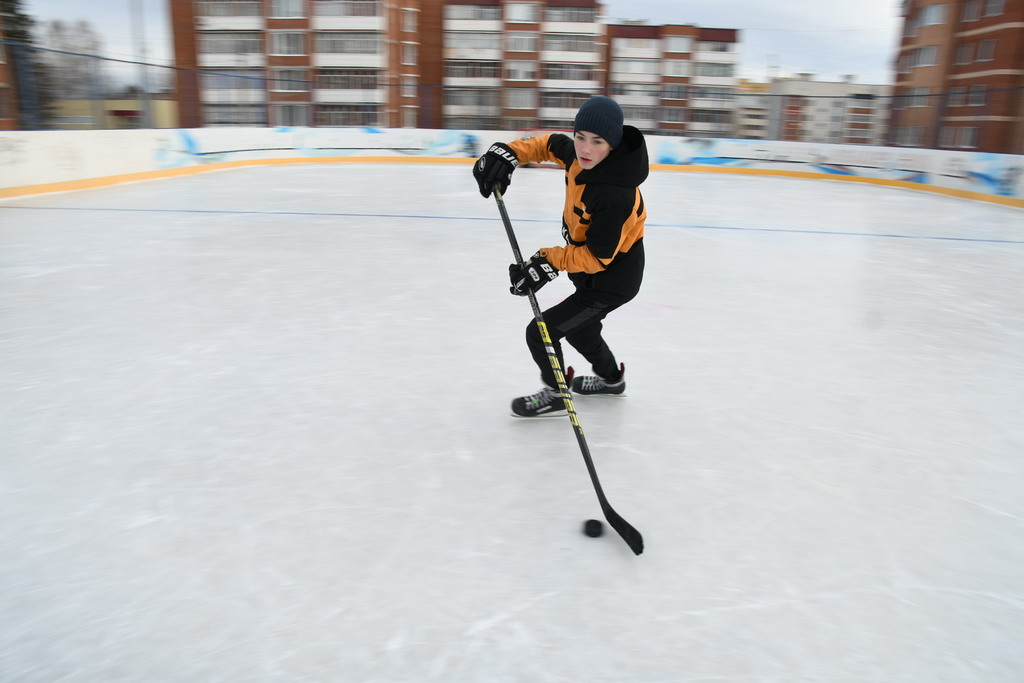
column 829, row 39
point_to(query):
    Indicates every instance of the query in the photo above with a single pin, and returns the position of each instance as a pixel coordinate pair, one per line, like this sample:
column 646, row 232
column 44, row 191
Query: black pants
column 578, row 321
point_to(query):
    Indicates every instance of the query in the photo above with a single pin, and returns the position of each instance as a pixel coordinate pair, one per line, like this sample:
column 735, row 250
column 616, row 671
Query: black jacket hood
column 627, row 165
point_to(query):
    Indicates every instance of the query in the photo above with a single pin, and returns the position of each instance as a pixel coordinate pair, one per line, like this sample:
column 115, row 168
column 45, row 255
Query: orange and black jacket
column 604, row 214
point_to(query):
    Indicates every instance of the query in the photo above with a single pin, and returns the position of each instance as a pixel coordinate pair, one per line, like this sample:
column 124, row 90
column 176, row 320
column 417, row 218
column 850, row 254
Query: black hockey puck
column 593, row 528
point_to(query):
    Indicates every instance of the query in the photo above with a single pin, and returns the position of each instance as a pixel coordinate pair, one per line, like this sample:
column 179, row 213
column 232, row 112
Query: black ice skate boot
column 547, row 402
column 592, row 385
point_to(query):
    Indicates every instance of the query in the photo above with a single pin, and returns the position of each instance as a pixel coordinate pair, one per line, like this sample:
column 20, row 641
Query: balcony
column 356, row 60
column 475, row 25
column 232, row 96
column 473, row 110
column 230, row 23
column 336, row 23
column 350, row 96
column 209, row 60
column 571, row 27
column 558, row 57
column 585, row 86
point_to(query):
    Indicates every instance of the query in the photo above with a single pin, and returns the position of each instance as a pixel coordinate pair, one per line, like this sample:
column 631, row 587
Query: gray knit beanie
column 601, row 116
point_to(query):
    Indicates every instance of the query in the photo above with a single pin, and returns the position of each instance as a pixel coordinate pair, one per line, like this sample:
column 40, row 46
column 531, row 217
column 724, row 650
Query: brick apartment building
column 297, row 62
column 960, row 76
column 8, row 93
column 675, row 79
column 478, row 64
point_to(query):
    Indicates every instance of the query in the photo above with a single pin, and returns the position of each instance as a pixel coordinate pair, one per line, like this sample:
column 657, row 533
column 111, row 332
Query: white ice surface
column 254, row 427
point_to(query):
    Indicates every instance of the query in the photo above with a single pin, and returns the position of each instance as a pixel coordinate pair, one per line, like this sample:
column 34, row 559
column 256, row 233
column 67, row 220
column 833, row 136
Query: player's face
column 590, row 149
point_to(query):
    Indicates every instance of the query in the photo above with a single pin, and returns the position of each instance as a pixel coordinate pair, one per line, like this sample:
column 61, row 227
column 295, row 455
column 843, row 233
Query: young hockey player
column 603, row 227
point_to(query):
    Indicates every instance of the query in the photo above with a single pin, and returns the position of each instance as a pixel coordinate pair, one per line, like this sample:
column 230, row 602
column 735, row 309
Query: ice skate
column 592, row 385
column 547, row 402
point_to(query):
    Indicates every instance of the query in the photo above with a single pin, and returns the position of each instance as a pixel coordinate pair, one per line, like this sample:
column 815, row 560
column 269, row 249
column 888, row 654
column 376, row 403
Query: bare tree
column 77, row 71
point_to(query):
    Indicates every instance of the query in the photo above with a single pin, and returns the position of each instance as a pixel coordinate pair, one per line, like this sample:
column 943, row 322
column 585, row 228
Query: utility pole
column 139, row 31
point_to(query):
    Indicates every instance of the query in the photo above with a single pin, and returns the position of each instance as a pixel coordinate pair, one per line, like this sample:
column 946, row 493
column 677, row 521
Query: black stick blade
column 630, row 535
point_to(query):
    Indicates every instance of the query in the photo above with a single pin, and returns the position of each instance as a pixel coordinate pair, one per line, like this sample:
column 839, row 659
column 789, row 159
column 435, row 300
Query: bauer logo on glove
column 531, row 276
column 493, row 171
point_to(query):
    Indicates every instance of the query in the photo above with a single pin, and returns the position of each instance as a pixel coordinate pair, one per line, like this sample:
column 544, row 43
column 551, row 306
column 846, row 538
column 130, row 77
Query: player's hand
column 494, row 169
column 531, row 276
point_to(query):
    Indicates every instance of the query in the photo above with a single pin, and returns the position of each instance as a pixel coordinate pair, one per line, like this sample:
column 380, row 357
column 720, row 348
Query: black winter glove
column 531, row 276
column 494, row 169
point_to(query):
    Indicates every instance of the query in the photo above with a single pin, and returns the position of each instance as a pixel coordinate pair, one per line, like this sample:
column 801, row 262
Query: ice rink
column 255, row 427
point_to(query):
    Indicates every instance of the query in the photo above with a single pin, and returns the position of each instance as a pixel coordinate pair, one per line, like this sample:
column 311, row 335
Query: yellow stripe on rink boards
column 106, row 181
column 885, row 182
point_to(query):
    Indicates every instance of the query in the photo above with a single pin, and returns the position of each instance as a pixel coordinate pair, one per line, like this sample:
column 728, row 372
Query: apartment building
column 8, row 91
column 510, row 64
column 297, row 62
column 960, row 76
column 674, row 79
column 463, row 64
column 753, row 110
column 846, row 112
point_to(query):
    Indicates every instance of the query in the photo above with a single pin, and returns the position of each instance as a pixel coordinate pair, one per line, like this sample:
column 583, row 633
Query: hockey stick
column 630, row 535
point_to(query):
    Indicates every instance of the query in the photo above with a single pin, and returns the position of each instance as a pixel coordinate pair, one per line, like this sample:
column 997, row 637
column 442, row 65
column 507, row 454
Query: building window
column 678, row 44
column 520, row 71
column 347, row 42
column 976, row 96
column 347, row 79
column 986, row 50
column 926, row 55
column 673, row 114
column 522, row 12
column 569, row 42
column 967, row 137
column 348, row 115
column 957, row 96
column 674, row 92
column 475, row 98
column 230, row 8
column 347, row 8
column 472, row 69
column 233, row 79
column 288, row 80
column 677, row 67
column 972, row 10
column 410, row 19
column 520, row 98
column 932, row 15
column 635, row 66
column 521, row 41
column 472, row 41
column 711, row 116
column 409, row 115
column 563, row 100
column 231, row 43
column 569, row 72
column 472, row 12
column 409, row 54
column 282, row 43
column 291, row 115
column 716, row 69
column 994, row 8
column 947, row 136
column 714, row 46
column 964, row 52
column 918, row 96
column 573, row 15
column 409, row 86
column 709, row 93
column 234, row 115
column 287, row 9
